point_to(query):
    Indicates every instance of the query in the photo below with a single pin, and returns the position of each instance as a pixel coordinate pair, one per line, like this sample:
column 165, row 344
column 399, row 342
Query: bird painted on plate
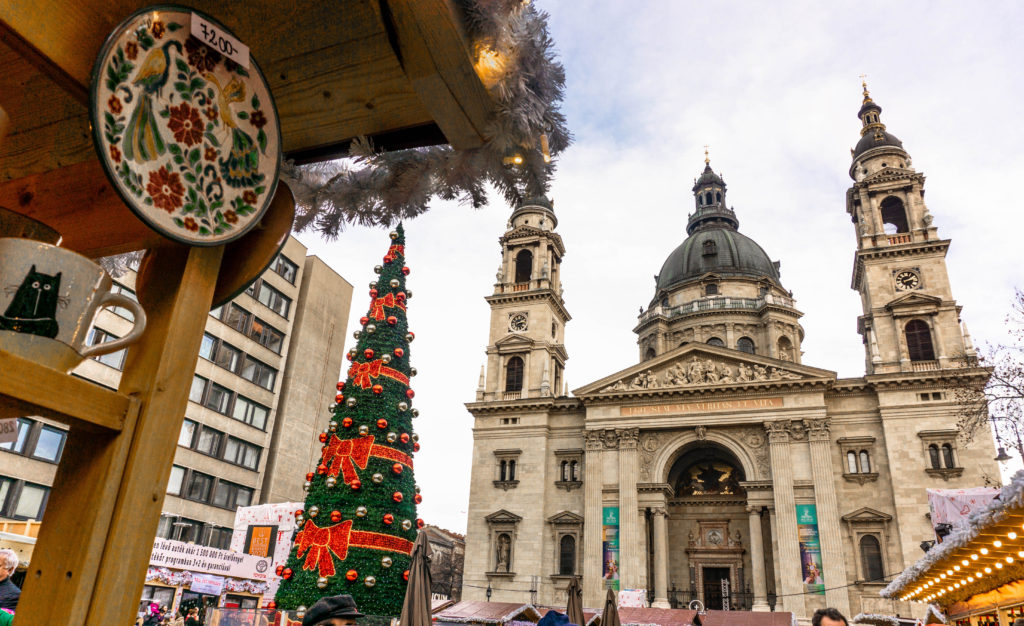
column 241, row 167
column 142, row 141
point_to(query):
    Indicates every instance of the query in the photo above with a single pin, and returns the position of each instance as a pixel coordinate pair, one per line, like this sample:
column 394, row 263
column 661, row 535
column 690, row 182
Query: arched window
column 715, row 341
column 504, row 470
column 851, row 462
column 650, row 354
column 933, row 456
column 871, row 558
column 919, row 341
column 785, row 349
column 565, row 470
column 567, row 555
column 707, row 198
column 700, row 200
column 514, row 374
column 865, row 462
column 524, row 266
column 718, row 196
column 511, row 470
column 710, row 247
column 947, row 455
column 711, row 290
column 894, row 216
column 745, row 344
column 574, row 474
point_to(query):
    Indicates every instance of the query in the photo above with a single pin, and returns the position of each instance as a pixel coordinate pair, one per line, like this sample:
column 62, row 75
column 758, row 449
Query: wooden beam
column 77, row 401
column 436, row 59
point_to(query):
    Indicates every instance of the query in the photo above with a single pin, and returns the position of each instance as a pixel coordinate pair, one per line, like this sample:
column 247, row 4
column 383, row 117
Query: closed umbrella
column 574, row 605
column 610, row 614
column 416, row 608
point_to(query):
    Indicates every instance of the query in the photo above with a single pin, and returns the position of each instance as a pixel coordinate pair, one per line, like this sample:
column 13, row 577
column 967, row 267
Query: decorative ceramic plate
column 188, row 137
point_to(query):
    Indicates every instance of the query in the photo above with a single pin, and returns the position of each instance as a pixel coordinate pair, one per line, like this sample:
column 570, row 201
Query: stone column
column 790, row 587
column 757, row 560
column 593, row 483
column 660, row 558
column 629, row 539
column 829, row 530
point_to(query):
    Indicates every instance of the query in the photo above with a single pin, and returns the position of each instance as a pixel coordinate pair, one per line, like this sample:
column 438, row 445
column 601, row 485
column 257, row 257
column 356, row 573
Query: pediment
column 867, row 514
column 501, row 515
column 513, row 340
column 698, row 366
column 565, row 517
column 914, row 299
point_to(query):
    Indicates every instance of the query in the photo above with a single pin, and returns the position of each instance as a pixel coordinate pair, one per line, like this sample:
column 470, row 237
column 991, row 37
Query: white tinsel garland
column 380, row 188
column 876, row 619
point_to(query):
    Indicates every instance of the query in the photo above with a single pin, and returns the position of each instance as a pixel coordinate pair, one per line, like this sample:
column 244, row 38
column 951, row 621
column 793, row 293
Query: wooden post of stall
column 5, row 122
column 91, row 557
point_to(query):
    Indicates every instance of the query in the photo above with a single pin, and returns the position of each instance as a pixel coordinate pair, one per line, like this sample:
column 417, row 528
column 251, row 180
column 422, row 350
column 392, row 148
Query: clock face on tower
column 907, row 280
column 517, row 322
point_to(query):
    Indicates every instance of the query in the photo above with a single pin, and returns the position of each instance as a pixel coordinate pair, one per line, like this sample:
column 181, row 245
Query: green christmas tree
column 359, row 522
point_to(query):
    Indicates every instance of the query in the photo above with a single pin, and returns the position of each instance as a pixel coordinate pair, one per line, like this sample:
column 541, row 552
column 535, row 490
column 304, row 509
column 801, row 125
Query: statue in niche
column 504, row 551
column 737, row 539
column 544, row 269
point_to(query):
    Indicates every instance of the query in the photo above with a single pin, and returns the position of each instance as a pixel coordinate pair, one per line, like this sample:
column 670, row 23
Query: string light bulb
column 983, row 551
column 1011, row 535
column 997, row 543
column 974, row 557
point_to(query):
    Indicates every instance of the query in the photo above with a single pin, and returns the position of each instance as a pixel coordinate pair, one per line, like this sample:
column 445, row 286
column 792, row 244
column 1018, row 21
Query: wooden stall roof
column 503, row 612
column 397, row 71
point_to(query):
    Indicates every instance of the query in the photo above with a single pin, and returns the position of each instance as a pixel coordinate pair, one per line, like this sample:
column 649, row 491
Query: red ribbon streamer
column 319, row 543
column 396, row 249
column 387, row 300
column 362, row 373
column 345, row 455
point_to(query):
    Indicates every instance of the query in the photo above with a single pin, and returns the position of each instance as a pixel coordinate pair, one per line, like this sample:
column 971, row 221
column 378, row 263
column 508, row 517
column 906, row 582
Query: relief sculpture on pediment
column 701, row 371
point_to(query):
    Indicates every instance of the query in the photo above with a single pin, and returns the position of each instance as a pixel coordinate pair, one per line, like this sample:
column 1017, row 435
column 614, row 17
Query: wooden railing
column 27, row 528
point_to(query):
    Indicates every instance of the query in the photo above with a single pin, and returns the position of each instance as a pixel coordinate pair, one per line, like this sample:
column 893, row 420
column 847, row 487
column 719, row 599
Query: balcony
column 511, row 395
column 924, row 366
column 716, row 303
column 900, row 238
column 530, row 285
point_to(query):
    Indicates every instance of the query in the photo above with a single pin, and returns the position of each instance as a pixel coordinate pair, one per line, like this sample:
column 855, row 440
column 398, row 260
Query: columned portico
column 660, row 516
column 832, row 560
column 785, row 513
column 593, row 483
column 757, row 560
column 630, row 550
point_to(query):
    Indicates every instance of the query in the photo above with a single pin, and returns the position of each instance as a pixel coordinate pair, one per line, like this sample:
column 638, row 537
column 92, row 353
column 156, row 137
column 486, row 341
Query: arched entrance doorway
column 708, row 528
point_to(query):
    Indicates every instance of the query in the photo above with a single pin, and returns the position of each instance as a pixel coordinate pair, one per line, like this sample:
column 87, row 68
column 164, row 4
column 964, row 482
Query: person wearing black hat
column 333, row 611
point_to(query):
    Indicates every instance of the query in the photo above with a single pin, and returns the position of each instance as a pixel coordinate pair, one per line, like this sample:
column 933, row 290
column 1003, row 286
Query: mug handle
column 119, row 299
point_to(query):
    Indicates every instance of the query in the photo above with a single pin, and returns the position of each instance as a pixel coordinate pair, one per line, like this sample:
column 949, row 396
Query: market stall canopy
column 399, row 72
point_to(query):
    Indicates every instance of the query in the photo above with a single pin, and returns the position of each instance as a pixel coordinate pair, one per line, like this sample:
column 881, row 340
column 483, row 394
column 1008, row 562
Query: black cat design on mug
column 34, row 307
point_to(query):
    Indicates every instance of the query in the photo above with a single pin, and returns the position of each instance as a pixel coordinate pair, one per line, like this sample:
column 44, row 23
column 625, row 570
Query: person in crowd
column 193, row 618
column 9, row 592
column 828, row 617
column 332, row 611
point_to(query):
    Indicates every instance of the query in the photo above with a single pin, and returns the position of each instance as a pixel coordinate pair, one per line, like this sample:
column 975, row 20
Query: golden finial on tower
column 707, row 159
column 864, row 84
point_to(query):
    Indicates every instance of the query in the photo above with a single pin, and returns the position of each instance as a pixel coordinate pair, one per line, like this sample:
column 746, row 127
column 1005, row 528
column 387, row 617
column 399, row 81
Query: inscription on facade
column 707, row 406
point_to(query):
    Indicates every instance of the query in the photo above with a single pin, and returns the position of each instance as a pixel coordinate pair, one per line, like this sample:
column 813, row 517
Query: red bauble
column 399, row 352
column 335, row 516
column 417, row 498
column 280, row 568
column 350, row 356
column 397, row 496
column 340, row 385
column 373, row 293
column 416, row 447
column 405, row 575
column 272, row 605
column 389, row 519
column 412, row 335
column 364, row 320
column 404, row 438
column 287, row 573
column 419, row 523
column 392, row 320
column 355, row 484
column 368, row 353
column 409, row 393
column 382, row 423
column 351, row 574
column 298, row 512
column 346, row 422
column 400, row 296
column 321, row 469
column 323, row 437
column 397, row 468
column 339, row 398
column 388, row 258
column 378, row 389
column 405, row 271
column 309, row 476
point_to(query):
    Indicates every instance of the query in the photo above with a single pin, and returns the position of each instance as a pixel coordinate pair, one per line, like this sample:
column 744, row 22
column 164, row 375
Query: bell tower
column 911, row 322
column 525, row 351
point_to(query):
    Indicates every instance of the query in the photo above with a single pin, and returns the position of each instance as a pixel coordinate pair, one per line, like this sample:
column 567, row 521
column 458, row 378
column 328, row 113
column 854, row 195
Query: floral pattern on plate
column 188, row 137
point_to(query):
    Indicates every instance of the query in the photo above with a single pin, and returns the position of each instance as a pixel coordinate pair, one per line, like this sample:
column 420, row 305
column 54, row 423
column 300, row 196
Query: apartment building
column 264, row 377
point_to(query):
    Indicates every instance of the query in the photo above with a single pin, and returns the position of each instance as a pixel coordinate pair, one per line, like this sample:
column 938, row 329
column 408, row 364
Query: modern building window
column 125, row 291
column 237, row 318
column 176, row 481
column 871, row 558
column 164, row 596
column 30, row 502
column 218, row 398
column 274, row 299
column 218, row 537
column 209, row 441
column 258, row 372
column 933, row 456
column 715, row 341
column 195, row 393
column 187, row 530
column 98, row 336
column 228, row 357
column 284, row 268
column 514, row 374
column 18, row 445
column 49, row 444
column 745, row 344
column 919, row 341
column 947, row 456
column 165, row 527
column 250, row 412
column 242, row 453
column 267, row 336
column 567, row 555
column 208, row 346
column 231, row 496
column 188, row 433
column 198, row 486
column 524, row 266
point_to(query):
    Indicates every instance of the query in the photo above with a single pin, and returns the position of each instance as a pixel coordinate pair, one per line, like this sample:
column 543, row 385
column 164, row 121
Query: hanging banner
column 208, row 584
column 266, row 530
column 610, row 547
column 810, row 548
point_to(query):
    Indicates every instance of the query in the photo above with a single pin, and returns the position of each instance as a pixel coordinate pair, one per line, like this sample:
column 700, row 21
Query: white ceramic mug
column 48, row 299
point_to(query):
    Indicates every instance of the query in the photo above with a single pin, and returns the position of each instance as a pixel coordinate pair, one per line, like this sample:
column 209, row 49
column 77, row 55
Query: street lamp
column 489, row 592
column 1002, row 456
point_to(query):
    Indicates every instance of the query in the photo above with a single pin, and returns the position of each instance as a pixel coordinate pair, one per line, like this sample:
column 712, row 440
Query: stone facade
column 704, row 457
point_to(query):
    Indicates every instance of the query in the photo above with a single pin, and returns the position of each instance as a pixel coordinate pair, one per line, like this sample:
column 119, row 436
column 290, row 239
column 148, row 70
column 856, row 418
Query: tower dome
column 873, row 133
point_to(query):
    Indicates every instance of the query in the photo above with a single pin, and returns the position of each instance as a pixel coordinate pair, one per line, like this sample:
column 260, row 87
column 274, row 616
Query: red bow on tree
column 388, row 300
column 362, row 373
column 320, row 542
column 344, row 455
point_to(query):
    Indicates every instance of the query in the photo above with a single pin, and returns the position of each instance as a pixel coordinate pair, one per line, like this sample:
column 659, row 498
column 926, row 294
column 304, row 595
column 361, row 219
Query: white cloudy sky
column 773, row 87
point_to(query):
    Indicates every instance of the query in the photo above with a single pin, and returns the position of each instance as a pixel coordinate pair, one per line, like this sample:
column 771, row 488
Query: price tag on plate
column 220, row 40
